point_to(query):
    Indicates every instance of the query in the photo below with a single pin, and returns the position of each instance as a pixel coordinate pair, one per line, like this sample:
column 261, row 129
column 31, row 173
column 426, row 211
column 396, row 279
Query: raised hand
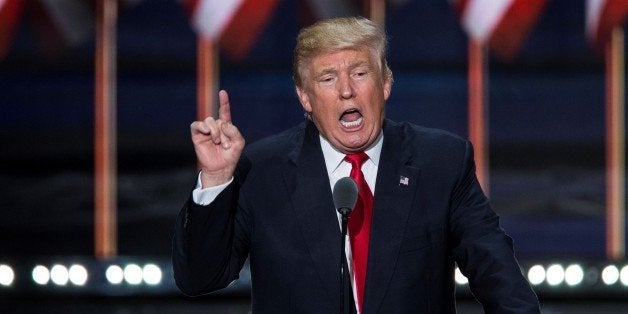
column 218, row 144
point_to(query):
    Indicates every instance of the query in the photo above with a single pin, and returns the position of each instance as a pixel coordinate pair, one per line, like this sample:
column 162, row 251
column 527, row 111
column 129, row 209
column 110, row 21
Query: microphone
column 345, row 195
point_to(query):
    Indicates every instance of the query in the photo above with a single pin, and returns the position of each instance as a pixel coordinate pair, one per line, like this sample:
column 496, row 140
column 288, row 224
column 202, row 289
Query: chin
column 355, row 145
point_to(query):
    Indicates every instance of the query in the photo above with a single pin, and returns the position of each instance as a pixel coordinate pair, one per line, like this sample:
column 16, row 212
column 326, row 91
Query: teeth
column 352, row 123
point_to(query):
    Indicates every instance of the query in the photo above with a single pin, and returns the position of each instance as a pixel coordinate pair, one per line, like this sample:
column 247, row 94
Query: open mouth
column 351, row 118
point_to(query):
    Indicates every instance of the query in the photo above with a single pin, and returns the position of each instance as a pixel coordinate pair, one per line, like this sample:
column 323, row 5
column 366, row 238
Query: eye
column 326, row 79
column 360, row 73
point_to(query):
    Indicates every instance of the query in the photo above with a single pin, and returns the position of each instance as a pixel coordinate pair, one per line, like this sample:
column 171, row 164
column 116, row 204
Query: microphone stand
column 344, row 213
column 345, row 195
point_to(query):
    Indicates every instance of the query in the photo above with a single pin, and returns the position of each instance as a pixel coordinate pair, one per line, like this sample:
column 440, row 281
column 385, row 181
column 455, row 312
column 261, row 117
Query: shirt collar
column 333, row 157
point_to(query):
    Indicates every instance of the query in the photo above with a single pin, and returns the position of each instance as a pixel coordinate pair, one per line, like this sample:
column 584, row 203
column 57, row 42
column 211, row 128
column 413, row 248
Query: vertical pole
column 105, row 163
column 615, row 146
column 478, row 111
column 375, row 10
column 207, row 77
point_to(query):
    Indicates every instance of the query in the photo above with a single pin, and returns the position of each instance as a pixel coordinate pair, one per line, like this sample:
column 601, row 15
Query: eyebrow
column 329, row 70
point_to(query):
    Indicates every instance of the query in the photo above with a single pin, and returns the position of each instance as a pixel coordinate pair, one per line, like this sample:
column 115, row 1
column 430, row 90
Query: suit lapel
column 395, row 190
column 310, row 194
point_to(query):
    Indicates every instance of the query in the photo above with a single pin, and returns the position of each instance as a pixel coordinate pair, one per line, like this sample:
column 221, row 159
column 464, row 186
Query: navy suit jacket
column 279, row 210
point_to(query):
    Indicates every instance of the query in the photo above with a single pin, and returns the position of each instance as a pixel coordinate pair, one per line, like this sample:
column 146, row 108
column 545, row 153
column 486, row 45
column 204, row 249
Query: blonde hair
column 337, row 34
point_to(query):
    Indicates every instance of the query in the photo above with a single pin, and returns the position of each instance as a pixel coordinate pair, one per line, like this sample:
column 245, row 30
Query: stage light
column 151, row 274
column 574, row 274
column 6, row 275
column 59, row 275
column 555, row 275
column 114, row 274
column 536, row 274
column 610, row 275
column 591, row 276
column 460, row 278
column 133, row 274
column 78, row 274
column 623, row 275
column 41, row 275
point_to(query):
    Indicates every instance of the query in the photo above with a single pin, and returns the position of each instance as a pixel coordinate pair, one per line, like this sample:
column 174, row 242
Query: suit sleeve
column 483, row 251
column 210, row 243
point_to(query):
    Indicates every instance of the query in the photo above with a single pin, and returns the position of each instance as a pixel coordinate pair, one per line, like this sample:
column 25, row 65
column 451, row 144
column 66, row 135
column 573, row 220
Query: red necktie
column 360, row 224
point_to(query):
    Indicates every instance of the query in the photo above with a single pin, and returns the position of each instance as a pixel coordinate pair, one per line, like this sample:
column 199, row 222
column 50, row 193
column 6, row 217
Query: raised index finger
column 224, row 111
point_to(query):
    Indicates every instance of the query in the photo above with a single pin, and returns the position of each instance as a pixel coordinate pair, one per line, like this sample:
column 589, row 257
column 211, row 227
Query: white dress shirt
column 337, row 168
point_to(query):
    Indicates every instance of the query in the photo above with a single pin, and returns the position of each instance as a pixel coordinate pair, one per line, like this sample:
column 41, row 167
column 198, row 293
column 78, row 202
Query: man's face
column 345, row 93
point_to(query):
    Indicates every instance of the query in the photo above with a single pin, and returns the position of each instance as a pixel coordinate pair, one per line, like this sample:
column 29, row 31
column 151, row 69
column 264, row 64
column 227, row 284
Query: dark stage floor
column 236, row 306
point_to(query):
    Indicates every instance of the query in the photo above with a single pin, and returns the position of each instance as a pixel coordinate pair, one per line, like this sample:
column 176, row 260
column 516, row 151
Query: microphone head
column 345, row 194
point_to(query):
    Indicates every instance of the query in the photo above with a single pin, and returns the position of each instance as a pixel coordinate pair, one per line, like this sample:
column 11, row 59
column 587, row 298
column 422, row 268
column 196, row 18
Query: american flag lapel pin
column 403, row 180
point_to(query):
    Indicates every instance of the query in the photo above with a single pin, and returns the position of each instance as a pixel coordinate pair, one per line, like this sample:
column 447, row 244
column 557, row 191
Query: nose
column 346, row 87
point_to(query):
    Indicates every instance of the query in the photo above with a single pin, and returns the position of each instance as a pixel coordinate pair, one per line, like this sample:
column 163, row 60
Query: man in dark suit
column 420, row 208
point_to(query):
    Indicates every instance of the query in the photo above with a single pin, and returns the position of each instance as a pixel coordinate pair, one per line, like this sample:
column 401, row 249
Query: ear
column 387, row 86
column 304, row 99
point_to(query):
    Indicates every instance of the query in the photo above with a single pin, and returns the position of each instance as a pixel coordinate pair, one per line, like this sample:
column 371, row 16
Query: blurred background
column 546, row 135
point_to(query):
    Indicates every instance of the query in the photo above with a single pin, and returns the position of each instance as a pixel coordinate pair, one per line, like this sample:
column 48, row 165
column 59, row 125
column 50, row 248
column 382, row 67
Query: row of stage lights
column 78, row 275
column 572, row 275
column 118, row 276
column 132, row 274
